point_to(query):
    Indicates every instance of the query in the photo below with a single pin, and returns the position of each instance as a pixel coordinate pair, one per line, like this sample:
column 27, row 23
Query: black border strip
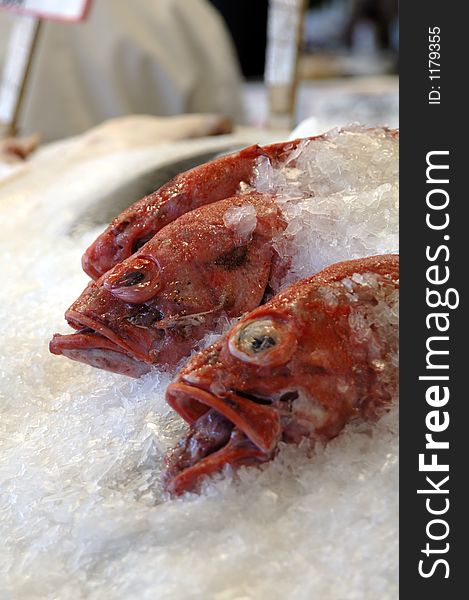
column 425, row 128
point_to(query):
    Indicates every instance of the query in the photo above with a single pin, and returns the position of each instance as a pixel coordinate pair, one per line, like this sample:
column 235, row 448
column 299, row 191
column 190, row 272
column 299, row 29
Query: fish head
column 291, row 369
column 155, row 306
column 253, row 383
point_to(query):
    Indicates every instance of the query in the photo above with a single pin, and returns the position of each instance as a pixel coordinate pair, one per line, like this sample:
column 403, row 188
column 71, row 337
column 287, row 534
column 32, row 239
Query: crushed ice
column 339, row 195
column 242, row 220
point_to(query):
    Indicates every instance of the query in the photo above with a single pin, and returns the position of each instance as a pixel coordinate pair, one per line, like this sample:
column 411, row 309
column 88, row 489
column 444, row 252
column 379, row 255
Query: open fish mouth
column 225, row 429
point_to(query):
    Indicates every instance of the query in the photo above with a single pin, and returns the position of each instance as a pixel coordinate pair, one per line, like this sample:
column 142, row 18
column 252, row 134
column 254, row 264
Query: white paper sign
column 57, row 10
column 282, row 33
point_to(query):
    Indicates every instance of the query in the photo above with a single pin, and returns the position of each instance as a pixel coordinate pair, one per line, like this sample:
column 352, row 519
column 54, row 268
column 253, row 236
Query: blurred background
column 263, row 64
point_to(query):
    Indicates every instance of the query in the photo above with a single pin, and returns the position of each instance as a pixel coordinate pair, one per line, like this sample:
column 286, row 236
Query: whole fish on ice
column 302, row 365
column 172, row 264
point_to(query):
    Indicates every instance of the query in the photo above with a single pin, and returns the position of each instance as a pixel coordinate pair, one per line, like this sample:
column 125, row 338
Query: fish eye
column 135, row 280
column 263, row 341
column 257, row 337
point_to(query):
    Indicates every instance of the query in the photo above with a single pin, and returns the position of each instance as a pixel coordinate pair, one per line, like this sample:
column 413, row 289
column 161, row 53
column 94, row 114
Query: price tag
column 283, row 38
column 56, row 10
column 21, row 47
column 284, row 28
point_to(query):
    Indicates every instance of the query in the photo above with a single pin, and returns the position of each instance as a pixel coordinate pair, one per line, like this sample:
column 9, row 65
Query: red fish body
column 302, row 365
column 157, row 304
column 202, row 185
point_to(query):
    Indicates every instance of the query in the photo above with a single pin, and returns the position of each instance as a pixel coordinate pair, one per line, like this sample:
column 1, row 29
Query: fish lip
column 79, row 320
column 260, row 423
column 96, row 350
column 237, row 450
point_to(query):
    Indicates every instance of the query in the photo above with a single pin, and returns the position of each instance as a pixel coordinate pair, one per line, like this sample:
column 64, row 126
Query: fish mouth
column 225, row 429
column 107, row 335
column 97, row 346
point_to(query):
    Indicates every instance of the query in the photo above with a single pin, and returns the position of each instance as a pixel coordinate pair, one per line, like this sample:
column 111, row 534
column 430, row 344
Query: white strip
column 283, row 22
column 16, row 59
column 72, row 10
